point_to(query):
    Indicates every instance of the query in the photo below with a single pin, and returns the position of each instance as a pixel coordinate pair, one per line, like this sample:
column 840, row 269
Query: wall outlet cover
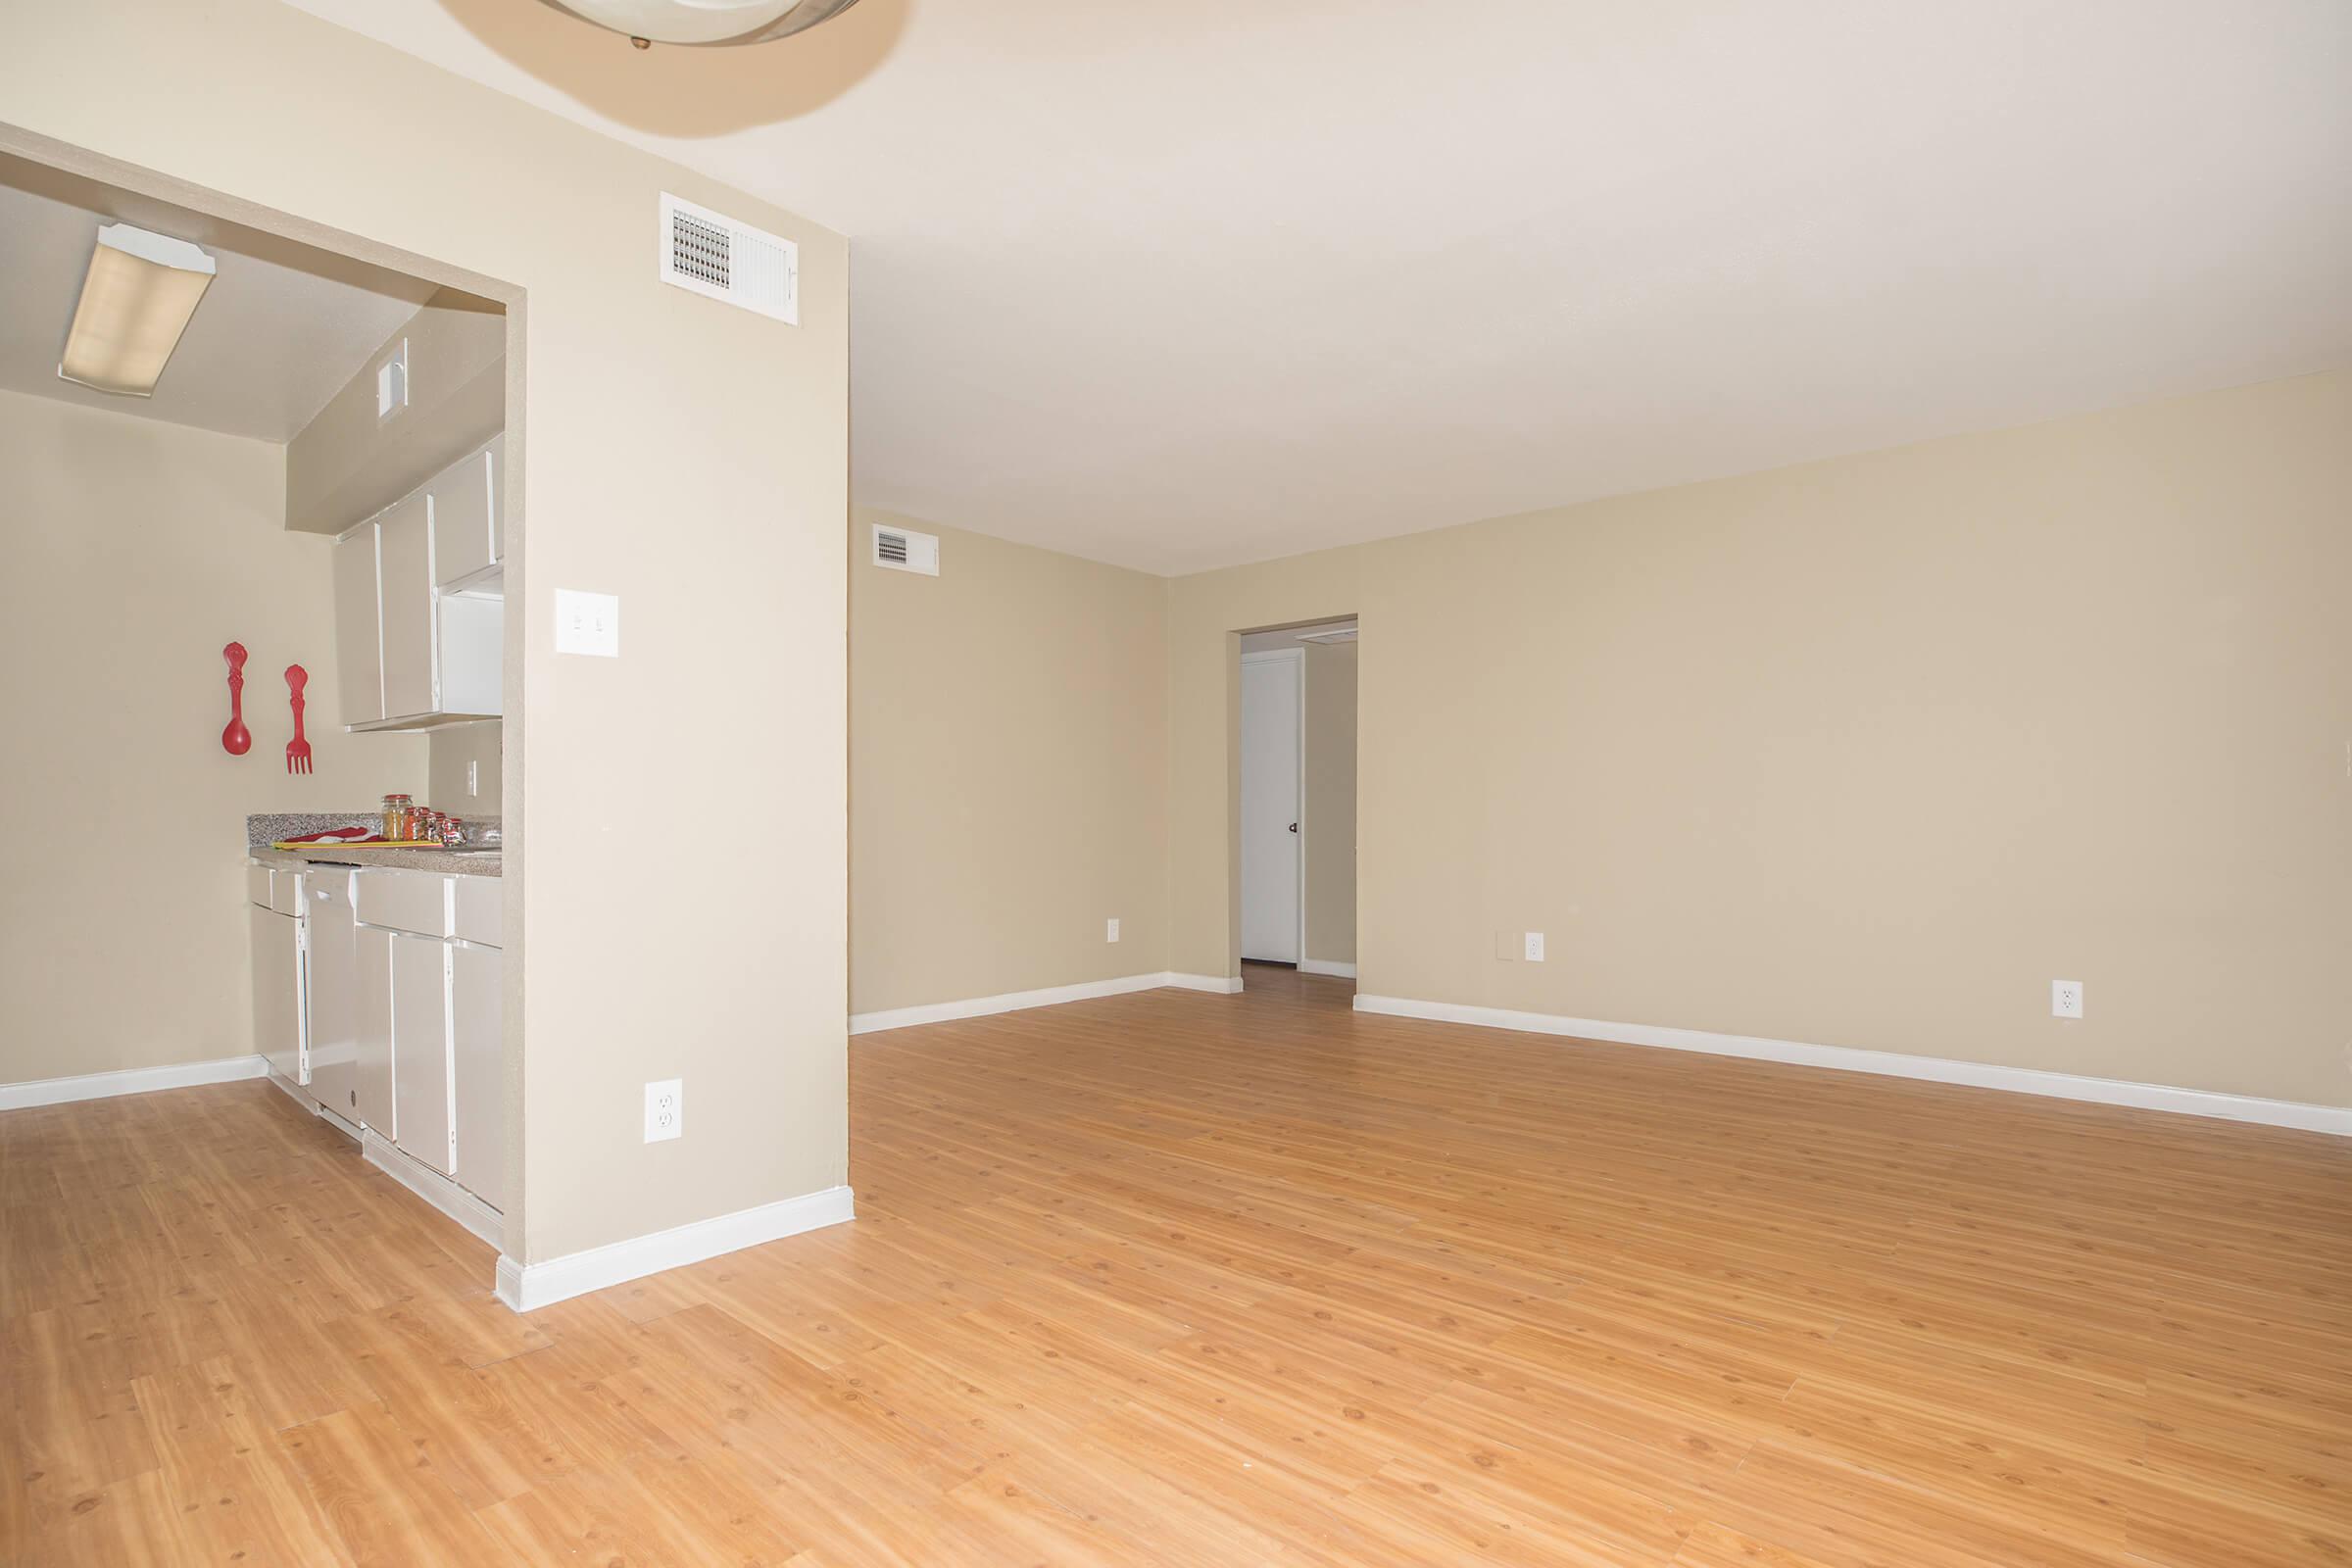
column 665, row 1110
column 1110, row 929
column 1534, row 947
column 2066, row 999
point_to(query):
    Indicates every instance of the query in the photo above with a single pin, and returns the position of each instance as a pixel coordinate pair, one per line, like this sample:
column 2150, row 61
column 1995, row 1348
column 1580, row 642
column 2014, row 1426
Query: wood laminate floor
column 1182, row 1279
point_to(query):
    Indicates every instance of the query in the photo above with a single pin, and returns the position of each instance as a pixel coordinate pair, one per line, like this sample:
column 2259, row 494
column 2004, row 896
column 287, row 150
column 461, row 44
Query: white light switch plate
column 587, row 624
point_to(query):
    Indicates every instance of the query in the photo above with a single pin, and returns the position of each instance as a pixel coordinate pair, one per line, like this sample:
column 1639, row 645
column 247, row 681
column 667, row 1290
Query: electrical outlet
column 473, row 776
column 665, row 1110
column 1110, row 929
column 1534, row 947
column 2066, row 999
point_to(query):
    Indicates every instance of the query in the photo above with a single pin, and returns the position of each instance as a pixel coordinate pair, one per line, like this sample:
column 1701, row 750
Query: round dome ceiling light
column 703, row 22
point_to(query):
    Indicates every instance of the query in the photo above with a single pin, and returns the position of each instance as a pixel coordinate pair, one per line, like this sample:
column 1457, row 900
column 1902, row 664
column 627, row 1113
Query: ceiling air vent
column 711, row 253
column 904, row 549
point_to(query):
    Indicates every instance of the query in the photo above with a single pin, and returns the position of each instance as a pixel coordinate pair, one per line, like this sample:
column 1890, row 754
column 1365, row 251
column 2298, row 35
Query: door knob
column 1293, row 827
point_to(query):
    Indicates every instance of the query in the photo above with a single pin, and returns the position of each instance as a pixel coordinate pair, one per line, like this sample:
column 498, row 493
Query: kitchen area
column 234, row 455
column 377, row 934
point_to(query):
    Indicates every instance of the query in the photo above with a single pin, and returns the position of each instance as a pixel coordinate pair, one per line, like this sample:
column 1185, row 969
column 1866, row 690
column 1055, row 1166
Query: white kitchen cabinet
column 330, row 987
column 477, row 1037
column 413, row 652
column 405, row 591
column 277, row 990
column 469, row 538
column 358, row 631
column 371, row 1066
column 421, row 1078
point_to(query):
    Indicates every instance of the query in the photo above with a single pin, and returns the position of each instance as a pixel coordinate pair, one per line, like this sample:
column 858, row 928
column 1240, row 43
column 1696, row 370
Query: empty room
column 905, row 784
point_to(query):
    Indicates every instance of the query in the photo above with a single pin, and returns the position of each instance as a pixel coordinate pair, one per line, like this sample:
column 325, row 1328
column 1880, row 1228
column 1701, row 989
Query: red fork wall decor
column 298, row 750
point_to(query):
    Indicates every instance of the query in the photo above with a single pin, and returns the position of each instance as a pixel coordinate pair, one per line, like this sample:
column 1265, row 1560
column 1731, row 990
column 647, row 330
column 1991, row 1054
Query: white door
column 371, row 1031
column 330, row 983
column 1272, row 708
column 277, row 991
column 477, row 1012
column 421, row 1082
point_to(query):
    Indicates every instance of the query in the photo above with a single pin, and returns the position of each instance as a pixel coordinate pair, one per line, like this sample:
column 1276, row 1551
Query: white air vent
column 711, row 253
column 903, row 550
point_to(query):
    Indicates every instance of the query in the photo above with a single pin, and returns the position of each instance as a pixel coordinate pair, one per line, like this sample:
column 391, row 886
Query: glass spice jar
column 397, row 812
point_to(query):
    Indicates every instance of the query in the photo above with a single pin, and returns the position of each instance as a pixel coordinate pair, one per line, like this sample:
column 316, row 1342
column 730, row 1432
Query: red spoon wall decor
column 298, row 750
column 237, row 739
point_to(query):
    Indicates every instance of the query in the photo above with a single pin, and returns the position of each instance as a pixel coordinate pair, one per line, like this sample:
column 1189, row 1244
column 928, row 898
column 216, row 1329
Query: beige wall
column 689, row 456
column 452, row 750
column 1863, row 752
column 1007, row 769
column 349, row 462
column 1330, row 791
column 136, row 551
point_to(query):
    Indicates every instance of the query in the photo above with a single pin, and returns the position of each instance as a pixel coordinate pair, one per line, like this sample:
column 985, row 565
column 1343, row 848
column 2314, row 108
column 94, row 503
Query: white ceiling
column 268, row 346
column 1182, row 286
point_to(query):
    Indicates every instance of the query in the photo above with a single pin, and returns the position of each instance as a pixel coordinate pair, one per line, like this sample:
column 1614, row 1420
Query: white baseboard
column 528, row 1287
column 130, row 1081
column 435, row 1189
column 867, row 1023
column 2336, row 1119
column 1346, row 972
column 1224, row 985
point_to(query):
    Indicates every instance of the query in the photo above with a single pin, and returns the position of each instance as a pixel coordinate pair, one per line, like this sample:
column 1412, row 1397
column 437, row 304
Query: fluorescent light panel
column 136, row 301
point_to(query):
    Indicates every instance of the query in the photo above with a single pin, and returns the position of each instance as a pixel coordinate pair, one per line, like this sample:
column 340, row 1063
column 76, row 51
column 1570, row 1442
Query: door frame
column 1295, row 657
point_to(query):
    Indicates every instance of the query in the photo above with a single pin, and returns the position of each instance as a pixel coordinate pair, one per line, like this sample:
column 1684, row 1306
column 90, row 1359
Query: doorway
column 1296, row 827
column 1273, row 780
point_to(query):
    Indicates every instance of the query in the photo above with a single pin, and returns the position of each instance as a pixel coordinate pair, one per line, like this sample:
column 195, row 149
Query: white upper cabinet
column 420, row 617
column 359, row 637
column 405, row 577
column 469, row 536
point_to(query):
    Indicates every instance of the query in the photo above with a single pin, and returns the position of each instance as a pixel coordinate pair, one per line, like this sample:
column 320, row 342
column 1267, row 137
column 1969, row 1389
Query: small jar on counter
column 398, row 814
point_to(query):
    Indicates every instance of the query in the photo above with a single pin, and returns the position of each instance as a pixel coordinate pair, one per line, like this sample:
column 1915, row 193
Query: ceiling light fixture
column 136, row 298
column 703, row 22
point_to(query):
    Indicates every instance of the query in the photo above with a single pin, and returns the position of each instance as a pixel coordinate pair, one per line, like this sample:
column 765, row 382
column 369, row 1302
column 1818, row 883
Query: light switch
column 587, row 624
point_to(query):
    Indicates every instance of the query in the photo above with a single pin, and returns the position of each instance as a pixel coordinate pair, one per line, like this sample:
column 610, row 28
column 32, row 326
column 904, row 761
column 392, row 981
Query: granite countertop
column 265, row 829
column 453, row 863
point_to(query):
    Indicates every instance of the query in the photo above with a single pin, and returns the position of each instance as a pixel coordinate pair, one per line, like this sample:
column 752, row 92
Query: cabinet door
column 371, row 1031
column 358, row 628
column 405, row 555
column 420, row 1065
column 330, row 988
column 465, row 517
column 478, row 1038
column 276, row 991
